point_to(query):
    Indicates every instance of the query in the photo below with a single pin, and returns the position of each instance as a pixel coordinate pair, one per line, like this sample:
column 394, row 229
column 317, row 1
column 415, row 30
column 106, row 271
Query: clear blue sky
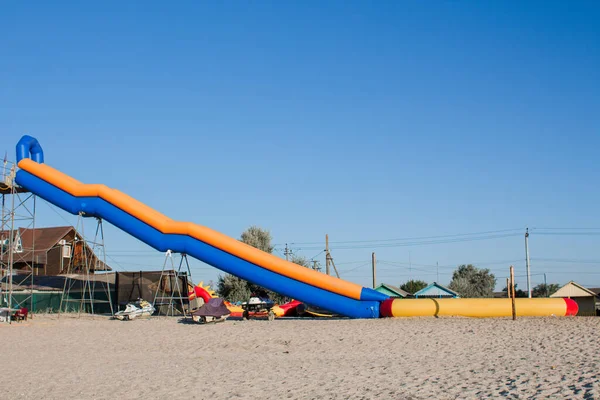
column 363, row 120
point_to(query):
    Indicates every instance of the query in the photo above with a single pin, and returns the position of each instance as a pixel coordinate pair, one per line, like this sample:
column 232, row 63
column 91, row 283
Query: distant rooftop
column 435, row 290
column 392, row 290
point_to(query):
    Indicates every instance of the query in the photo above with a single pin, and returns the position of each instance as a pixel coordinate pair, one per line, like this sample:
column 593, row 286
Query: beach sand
column 416, row 358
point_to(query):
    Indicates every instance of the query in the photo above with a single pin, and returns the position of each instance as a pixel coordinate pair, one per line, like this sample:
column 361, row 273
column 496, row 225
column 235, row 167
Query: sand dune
column 453, row 358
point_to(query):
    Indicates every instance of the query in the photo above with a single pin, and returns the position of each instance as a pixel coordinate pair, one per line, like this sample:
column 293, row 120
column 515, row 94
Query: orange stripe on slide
column 166, row 225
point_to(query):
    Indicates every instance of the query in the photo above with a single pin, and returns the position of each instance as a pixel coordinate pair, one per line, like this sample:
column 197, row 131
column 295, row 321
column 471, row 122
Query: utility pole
column 374, row 263
column 546, row 285
column 315, row 265
column 287, row 253
column 327, row 256
column 410, row 273
column 437, row 270
column 334, row 267
column 527, row 262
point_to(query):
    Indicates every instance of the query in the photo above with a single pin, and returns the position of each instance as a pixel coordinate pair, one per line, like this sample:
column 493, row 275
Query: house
column 597, row 292
column 435, row 291
column 392, row 291
column 50, row 251
column 585, row 298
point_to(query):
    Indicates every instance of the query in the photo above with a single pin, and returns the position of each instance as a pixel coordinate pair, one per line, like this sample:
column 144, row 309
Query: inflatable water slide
column 234, row 257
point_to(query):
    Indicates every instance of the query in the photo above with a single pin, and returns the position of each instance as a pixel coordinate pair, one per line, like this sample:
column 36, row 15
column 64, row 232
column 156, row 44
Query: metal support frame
column 90, row 280
column 18, row 212
column 169, row 284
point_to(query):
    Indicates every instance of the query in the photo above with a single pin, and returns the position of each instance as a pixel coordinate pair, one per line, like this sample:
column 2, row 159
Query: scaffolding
column 172, row 290
column 80, row 290
column 16, row 260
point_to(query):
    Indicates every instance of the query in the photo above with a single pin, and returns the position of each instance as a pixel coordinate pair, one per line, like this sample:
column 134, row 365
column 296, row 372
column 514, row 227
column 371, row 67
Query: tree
column 300, row 260
column 412, row 286
column 233, row 289
column 258, row 237
column 543, row 290
column 470, row 281
column 518, row 292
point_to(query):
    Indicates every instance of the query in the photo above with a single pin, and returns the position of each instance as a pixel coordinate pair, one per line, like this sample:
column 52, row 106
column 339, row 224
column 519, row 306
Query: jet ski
column 140, row 308
column 213, row 311
column 258, row 304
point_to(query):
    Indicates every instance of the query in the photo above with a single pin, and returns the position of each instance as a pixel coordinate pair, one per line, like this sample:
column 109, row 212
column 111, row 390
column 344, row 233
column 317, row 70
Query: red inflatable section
column 385, row 308
column 572, row 307
column 290, row 308
column 202, row 293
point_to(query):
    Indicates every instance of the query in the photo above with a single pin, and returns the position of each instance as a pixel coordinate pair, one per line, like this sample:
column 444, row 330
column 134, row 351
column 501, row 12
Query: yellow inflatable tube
column 478, row 308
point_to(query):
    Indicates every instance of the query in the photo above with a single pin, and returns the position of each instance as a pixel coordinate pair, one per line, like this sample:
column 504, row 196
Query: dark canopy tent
column 130, row 286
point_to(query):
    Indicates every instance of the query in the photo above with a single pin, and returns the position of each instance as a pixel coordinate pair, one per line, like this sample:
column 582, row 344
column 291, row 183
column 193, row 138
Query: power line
column 411, row 238
column 566, row 260
column 454, row 266
column 568, row 233
column 116, row 262
column 410, row 267
column 405, row 244
column 355, row 268
column 573, row 229
column 318, row 254
column 352, row 262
